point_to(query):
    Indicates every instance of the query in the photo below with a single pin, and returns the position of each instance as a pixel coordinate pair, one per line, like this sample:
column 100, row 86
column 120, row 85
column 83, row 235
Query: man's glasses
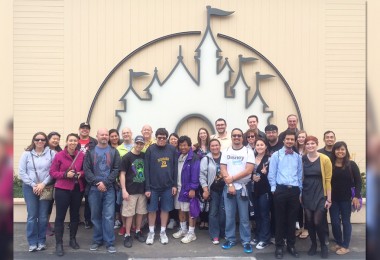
column 39, row 140
column 236, row 136
column 250, row 136
column 161, row 138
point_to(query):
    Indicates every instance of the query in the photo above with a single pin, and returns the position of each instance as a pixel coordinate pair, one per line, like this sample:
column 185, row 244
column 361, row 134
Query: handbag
column 47, row 192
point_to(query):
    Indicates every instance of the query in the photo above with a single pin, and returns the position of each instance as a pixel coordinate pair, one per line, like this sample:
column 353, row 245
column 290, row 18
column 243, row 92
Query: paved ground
column 202, row 248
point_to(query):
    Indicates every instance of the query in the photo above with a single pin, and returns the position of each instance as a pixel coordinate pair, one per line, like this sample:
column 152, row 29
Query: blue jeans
column 231, row 205
column 102, row 205
column 217, row 215
column 340, row 213
column 262, row 217
column 37, row 220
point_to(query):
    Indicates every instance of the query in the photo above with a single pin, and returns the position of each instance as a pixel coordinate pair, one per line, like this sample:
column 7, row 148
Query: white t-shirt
column 236, row 160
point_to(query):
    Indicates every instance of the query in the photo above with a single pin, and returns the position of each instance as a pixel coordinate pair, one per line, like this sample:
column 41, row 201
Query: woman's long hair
column 346, row 159
column 119, row 142
column 32, row 146
column 198, row 145
column 49, row 136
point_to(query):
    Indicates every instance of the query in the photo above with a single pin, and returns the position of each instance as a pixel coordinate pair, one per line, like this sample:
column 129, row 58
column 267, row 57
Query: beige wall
column 64, row 49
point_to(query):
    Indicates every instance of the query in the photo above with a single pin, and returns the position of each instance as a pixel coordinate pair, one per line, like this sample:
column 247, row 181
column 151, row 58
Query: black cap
column 271, row 128
column 84, row 124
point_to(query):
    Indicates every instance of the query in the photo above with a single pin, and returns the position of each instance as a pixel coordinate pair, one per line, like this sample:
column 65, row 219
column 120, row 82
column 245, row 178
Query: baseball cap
column 271, row 128
column 139, row 139
column 85, row 124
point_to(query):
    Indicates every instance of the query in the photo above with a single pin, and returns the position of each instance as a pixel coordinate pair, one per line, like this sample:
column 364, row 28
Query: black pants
column 286, row 206
column 315, row 223
column 63, row 200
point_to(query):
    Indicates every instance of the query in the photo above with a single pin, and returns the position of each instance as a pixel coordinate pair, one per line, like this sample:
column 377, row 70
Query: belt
column 286, row 186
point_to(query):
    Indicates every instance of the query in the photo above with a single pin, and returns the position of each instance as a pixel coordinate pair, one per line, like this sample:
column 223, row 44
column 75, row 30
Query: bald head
column 127, row 135
column 102, row 136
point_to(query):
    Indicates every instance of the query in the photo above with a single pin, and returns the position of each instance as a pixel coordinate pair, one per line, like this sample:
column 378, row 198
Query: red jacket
column 60, row 165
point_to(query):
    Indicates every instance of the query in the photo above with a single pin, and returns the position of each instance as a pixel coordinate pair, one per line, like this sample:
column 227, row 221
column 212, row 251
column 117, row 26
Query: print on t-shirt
column 138, row 169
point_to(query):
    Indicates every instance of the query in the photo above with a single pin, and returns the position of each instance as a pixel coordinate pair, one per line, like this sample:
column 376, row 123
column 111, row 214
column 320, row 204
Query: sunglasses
column 251, row 136
column 236, row 136
column 39, row 140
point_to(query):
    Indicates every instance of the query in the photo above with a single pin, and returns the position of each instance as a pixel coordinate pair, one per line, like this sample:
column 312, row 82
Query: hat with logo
column 84, row 124
column 139, row 139
column 271, row 128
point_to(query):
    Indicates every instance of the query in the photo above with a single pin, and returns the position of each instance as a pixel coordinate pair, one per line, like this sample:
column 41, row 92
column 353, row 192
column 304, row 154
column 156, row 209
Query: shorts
column 183, row 206
column 166, row 200
column 136, row 204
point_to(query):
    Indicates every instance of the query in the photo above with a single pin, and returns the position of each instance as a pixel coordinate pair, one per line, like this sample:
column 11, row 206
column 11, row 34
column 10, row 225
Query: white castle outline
column 181, row 95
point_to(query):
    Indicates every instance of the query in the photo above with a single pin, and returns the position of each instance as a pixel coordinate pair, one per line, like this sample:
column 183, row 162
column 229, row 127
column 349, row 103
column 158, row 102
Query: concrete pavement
column 202, row 248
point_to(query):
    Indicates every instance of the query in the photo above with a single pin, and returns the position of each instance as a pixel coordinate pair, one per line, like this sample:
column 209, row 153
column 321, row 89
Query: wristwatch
column 230, row 185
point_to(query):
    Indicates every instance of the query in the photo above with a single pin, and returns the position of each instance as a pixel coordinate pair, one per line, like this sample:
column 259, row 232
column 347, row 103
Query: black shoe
column 279, row 254
column 128, row 240
column 73, row 243
column 324, row 252
column 87, row 224
column 59, row 250
column 292, row 250
column 312, row 250
column 140, row 237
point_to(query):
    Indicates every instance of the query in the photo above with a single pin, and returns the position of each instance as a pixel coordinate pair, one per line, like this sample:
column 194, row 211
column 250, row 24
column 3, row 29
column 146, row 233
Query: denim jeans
column 340, row 213
column 231, row 205
column 262, row 217
column 102, row 205
column 217, row 215
column 37, row 220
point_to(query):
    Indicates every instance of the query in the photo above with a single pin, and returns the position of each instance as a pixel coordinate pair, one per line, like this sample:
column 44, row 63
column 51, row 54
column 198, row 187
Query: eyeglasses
column 251, row 136
column 236, row 136
column 161, row 138
column 39, row 140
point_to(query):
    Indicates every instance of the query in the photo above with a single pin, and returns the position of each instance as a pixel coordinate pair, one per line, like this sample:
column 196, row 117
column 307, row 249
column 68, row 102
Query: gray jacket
column 208, row 171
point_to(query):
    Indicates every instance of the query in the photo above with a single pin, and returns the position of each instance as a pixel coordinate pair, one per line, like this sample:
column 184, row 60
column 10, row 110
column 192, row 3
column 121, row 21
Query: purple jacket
column 189, row 176
column 61, row 163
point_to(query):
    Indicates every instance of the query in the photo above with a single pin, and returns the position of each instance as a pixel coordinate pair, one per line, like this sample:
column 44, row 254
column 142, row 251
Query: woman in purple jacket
column 67, row 169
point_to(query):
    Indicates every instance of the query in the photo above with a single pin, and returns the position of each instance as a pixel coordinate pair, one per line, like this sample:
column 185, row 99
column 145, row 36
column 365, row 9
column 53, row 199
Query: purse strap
column 34, row 166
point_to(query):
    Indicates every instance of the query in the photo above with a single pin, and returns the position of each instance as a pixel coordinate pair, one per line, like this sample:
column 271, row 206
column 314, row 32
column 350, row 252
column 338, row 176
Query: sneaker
column 228, row 244
column 150, row 238
column 171, row 224
column 140, row 237
column 180, row 233
column 33, row 248
column 164, row 238
column 87, row 224
column 188, row 238
column 128, row 241
column 121, row 231
column 41, row 247
column 247, row 248
column 262, row 245
column 111, row 249
column 94, row 247
column 215, row 241
column 117, row 224
column 254, row 242
column 342, row 251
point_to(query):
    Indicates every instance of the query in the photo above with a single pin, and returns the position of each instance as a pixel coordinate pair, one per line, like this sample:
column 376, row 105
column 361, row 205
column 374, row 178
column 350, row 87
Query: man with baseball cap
column 86, row 142
column 132, row 180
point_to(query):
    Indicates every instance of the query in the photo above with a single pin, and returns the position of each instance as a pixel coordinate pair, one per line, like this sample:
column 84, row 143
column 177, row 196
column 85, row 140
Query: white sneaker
column 180, row 233
column 117, row 224
column 171, row 224
column 262, row 245
column 164, row 238
column 188, row 238
column 150, row 238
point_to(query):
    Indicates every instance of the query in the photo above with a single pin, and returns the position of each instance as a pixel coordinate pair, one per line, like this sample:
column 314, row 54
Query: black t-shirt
column 343, row 179
column 325, row 152
column 274, row 148
column 133, row 165
column 218, row 183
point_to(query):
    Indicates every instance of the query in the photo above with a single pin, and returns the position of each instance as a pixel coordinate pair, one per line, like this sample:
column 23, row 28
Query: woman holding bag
column 67, row 169
column 345, row 175
column 34, row 168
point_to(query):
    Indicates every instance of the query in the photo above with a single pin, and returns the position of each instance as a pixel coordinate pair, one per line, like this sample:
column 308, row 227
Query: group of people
column 269, row 177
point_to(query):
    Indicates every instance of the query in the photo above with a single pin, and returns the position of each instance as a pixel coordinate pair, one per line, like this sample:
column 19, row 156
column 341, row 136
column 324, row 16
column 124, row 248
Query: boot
column 59, row 249
column 58, row 240
column 324, row 251
column 73, row 232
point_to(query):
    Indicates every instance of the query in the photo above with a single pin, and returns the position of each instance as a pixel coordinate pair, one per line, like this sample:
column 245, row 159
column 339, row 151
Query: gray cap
column 139, row 139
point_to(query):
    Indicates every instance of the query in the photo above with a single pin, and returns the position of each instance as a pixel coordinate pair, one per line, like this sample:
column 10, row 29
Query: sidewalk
column 202, row 248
